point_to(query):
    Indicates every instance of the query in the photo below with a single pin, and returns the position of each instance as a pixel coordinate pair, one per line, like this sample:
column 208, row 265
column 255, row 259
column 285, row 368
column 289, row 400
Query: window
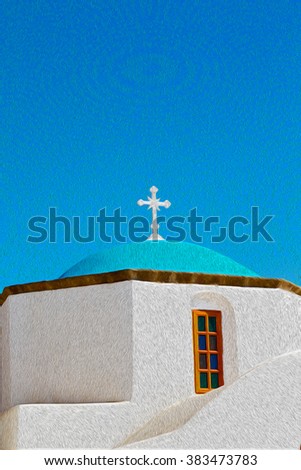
column 208, row 345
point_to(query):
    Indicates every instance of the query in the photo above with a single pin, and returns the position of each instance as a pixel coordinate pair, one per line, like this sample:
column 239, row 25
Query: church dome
column 161, row 256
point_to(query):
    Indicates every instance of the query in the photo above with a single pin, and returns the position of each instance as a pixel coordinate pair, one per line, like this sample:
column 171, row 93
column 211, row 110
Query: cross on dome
column 154, row 204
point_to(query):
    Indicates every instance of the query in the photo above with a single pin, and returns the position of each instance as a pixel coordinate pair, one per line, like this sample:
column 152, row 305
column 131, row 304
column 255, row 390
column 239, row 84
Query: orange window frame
column 207, row 351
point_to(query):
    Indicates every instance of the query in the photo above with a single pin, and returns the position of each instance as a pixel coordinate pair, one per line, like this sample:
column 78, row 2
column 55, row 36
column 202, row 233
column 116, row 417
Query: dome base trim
column 149, row 275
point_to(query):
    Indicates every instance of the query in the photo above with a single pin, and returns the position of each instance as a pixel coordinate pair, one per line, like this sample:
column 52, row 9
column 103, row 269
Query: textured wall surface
column 9, row 429
column 257, row 325
column 5, row 353
column 68, row 346
column 262, row 409
column 0, row 365
column 69, row 426
column 132, row 342
column 267, row 321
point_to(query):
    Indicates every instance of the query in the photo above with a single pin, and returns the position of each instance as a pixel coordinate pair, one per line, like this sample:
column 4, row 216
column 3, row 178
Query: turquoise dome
column 158, row 255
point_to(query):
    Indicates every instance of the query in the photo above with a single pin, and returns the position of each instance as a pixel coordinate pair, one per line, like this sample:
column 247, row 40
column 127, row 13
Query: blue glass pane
column 213, row 361
column 201, row 323
column 202, row 342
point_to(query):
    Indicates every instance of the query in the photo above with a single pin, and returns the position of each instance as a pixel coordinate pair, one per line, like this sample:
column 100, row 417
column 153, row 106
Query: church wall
column 132, row 341
column 267, row 322
column 162, row 337
column 0, row 363
column 9, row 429
column 4, row 352
column 258, row 325
column 68, row 346
column 258, row 411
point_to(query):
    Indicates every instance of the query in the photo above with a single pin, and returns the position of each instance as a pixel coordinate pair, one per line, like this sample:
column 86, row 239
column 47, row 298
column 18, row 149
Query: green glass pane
column 212, row 324
column 213, row 343
column 201, row 323
column 204, row 380
column 203, row 361
column 214, row 380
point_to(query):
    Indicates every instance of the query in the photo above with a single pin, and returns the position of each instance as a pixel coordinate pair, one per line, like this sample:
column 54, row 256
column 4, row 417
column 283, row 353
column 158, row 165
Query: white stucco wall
column 257, row 324
column 261, row 410
column 0, row 364
column 68, row 346
column 129, row 342
column 4, row 351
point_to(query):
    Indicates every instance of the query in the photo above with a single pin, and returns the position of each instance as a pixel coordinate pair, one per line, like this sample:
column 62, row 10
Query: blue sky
column 101, row 100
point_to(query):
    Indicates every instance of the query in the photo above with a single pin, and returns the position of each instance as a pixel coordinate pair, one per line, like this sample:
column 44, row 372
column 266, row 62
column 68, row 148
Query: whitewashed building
column 152, row 345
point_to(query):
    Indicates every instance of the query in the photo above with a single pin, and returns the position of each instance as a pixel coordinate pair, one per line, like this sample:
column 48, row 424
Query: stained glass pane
column 213, row 343
column 214, row 380
column 212, row 324
column 202, row 342
column 201, row 323
column 213, row 361
column 203, row 361
column 204, row 380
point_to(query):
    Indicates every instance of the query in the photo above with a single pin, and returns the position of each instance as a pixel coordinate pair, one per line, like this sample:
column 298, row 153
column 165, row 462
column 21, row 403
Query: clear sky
column 101, row 100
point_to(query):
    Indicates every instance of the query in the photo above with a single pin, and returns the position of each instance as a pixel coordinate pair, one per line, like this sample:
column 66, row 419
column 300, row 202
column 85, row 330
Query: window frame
column 217, row 314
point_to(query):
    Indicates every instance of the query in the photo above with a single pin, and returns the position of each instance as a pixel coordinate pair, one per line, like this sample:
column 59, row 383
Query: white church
column 152, row 345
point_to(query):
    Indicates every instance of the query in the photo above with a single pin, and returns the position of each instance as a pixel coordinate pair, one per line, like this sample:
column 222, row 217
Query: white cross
column 155, row 205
